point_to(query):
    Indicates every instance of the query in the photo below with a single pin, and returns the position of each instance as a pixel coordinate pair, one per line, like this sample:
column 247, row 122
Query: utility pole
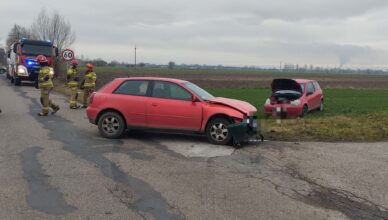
column 280, row 67
column 135, row 56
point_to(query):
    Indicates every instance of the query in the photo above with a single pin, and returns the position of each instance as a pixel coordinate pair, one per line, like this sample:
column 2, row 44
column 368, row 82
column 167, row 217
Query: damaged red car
column 294, row 98
column 163, row 103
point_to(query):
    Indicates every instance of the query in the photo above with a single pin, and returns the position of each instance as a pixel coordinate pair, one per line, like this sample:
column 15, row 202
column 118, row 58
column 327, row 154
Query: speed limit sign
column 67, row 54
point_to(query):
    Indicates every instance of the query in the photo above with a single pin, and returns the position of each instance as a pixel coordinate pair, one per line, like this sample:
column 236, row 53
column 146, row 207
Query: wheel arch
column 111, row 110
column 219, row 115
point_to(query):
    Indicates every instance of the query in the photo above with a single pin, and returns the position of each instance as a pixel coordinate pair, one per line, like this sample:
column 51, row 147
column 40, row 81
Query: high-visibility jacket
column 72, row 77
column 90, row 80
column 43, row 72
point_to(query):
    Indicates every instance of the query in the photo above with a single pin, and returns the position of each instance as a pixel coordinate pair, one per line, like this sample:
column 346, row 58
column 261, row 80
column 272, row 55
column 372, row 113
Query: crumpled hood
column 241, row 106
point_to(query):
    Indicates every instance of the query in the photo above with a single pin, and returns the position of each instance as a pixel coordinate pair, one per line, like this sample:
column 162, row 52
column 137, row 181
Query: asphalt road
column 58, row 167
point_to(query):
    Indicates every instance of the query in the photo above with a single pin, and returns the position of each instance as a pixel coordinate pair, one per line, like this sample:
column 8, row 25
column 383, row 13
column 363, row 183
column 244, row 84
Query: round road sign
column 67, row 54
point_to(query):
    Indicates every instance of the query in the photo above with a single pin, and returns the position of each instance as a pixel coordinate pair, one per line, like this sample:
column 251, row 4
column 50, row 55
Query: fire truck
column 22, row 65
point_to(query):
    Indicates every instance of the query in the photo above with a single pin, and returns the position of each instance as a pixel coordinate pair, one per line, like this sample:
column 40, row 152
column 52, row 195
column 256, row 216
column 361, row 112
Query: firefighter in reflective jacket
column 88, row 84
column 72, row 82
column 46, row 85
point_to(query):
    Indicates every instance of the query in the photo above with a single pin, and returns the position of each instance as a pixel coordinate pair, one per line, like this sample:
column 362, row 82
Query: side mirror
column 194, row 98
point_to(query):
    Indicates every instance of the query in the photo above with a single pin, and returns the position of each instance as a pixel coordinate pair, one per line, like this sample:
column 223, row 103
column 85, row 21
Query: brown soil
column 241, row 80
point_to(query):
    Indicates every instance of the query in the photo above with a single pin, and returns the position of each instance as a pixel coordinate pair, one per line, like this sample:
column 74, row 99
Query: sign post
column 67, row 55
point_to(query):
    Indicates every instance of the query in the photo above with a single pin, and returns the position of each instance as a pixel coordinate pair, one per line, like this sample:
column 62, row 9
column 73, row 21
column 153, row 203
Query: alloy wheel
column 111, row 125
column 219, row 132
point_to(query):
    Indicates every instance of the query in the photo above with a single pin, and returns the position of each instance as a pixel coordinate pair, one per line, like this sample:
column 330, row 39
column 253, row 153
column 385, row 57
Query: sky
column 328, row 33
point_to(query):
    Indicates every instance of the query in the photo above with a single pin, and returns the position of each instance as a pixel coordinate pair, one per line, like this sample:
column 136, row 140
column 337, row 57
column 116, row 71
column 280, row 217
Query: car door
column 319, row 92
column 310, row 96
column 170, row 106
column 313, row 96
column 131, row 99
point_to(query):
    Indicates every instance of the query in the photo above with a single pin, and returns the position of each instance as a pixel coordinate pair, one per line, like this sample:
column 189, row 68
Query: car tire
column 111, row 125
column 36, row 83
column 17, row 81
column 321, row 107
column 217, row 133
column 305, row 110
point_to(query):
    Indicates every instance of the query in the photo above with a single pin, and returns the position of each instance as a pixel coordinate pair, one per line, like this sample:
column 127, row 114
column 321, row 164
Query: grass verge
column 350, row 115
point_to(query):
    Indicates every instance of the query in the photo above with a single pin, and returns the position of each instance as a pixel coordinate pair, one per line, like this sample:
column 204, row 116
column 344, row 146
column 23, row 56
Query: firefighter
column 72, row 82
column 88, row 84
column 45, row 85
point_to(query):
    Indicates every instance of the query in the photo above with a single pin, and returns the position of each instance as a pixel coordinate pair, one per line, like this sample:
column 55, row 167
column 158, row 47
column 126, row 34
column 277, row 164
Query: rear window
column 133, row 87
column 316, row 85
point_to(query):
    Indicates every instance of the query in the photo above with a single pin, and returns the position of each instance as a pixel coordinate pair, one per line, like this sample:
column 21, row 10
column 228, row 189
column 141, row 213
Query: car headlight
column 267, row 102
column 51, row 72
column 22, row 70
column 295, row 102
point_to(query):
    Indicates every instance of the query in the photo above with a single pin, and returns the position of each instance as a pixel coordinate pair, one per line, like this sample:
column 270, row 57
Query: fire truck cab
column 22, row 65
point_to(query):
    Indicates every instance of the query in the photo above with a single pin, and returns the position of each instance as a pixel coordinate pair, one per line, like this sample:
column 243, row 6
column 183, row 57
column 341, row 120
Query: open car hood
column 286, row 84
column 241, row 106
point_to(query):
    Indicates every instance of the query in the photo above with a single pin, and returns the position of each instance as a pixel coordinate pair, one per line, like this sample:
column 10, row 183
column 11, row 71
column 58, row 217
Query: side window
column 310, row 88
column 133, row 87
column 169, row 90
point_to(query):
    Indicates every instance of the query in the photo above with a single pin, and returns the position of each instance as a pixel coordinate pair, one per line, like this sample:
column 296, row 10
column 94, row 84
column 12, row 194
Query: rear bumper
column 287, row 110
column 92, row 114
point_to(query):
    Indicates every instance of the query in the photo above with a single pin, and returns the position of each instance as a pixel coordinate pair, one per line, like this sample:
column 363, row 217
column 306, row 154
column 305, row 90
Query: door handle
column 154, row 104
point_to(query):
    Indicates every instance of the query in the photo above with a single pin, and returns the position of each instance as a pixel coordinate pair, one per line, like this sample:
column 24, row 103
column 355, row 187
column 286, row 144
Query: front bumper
column 32, row 76
column 243, row 131
column 283, row 110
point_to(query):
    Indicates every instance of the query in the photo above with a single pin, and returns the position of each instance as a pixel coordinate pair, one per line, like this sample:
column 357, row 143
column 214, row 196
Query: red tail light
column 92, row 97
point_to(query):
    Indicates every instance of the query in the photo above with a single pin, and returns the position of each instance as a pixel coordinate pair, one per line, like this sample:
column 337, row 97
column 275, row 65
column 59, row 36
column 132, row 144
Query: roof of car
column 153, row 78
column 303, row 80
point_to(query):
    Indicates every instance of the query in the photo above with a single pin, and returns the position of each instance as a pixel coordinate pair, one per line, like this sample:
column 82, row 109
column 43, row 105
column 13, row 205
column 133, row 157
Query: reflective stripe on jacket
column 43, row 72
column 72, row 74
column 90, row 80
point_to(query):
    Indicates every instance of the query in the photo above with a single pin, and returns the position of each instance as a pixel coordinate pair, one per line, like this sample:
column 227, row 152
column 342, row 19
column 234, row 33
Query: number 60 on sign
column 67, row 54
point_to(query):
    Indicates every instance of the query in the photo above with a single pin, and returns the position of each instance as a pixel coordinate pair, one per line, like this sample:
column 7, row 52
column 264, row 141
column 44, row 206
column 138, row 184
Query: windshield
column 29, row 49
column 198, row 91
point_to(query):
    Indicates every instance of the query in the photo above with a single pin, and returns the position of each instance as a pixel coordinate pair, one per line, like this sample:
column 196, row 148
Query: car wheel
column 111, row 125
column 17, row 81
column 36, row 83
column 305, row 110
column 321, row 106
column 217, row 132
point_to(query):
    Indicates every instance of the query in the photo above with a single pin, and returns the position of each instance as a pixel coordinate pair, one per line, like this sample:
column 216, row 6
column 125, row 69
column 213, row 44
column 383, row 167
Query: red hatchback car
column 294, row 97
column 162, row 103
